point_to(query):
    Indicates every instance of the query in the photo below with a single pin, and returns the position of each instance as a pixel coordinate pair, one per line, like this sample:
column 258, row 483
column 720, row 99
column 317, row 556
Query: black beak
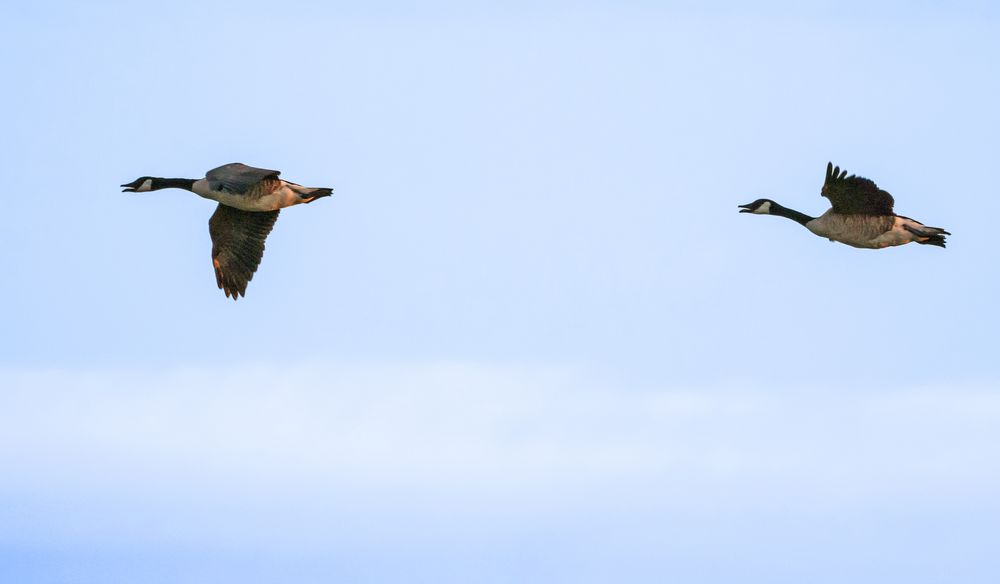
column 746, row 208
column 130, row 187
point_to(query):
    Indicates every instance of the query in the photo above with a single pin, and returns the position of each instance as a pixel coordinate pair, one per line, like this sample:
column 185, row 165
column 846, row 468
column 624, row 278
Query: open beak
column 745, row 208
column 131, row 187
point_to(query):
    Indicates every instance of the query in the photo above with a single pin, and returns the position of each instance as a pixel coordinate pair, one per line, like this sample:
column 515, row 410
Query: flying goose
column 861, row 215
column 249, row 202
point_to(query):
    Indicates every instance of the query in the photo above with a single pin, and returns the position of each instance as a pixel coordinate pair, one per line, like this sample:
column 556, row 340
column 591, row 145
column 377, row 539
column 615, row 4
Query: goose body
column 251, row 189
column 249, row 202
column 861, row 215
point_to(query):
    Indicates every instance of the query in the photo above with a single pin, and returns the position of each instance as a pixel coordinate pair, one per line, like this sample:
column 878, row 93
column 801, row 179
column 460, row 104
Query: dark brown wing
column 238, row 178
column 854, row 195
column 237, row 246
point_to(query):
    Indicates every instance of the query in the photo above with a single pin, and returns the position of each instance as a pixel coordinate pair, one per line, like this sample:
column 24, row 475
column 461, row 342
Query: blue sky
column 529, row 338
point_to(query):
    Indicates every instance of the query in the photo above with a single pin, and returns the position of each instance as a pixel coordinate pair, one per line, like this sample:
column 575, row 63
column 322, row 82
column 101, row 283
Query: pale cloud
column 416, row 460
column 452, row 428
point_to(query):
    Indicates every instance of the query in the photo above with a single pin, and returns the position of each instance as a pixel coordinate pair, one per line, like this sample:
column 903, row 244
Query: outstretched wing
column 852, row 195
column 237, row 246
column 237, row 178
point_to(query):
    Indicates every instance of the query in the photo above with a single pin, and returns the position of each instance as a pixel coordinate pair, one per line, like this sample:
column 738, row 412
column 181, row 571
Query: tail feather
column 311, row 193
column 320, row 192
column 937, row 240
column 928, row 235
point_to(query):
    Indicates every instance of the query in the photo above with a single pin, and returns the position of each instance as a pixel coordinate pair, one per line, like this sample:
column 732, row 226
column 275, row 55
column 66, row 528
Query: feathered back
column 854, row 195
column 237, row 178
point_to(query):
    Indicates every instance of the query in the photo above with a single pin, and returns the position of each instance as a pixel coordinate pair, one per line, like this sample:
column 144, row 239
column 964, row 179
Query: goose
column 249, row 202
column 861, row 215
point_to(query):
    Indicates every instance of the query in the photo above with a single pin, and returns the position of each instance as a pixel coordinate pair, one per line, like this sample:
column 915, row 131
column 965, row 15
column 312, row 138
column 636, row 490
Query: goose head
column 758, row 207
column 140, row 185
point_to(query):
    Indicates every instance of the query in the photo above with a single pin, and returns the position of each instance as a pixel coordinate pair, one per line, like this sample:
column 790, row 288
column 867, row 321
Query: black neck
column 792, row 214
column 172, row 183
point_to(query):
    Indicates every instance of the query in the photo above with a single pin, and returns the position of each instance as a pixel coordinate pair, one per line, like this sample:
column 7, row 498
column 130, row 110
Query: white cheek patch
column 147, row 185
column 764, row 209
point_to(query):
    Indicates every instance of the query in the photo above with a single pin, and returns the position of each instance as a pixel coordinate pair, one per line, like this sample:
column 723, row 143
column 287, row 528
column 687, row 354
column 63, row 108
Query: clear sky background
column 529, row 338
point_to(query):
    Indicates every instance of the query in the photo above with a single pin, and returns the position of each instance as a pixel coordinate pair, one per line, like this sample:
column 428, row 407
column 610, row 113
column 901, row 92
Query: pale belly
column 277, row 199
column 895, row 236
column 864, row 231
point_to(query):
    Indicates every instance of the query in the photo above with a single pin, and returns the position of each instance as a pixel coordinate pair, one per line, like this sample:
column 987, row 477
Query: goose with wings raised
column 861, row 215
column 249, row 202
